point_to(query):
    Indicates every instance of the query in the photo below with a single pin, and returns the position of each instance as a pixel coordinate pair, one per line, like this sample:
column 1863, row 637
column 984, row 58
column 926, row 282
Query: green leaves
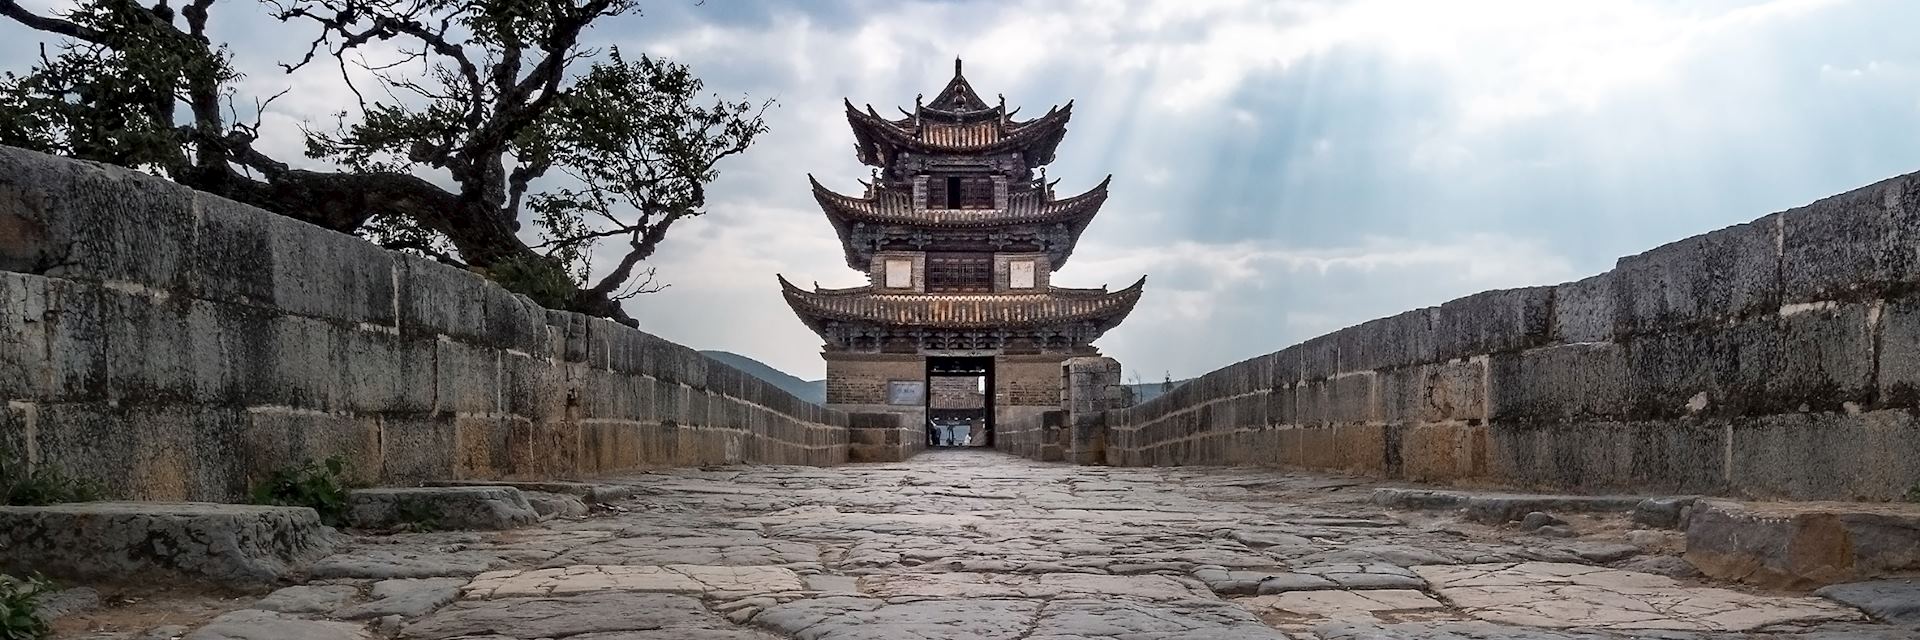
column 19, row 606
column 321, row 487
column 42, row 486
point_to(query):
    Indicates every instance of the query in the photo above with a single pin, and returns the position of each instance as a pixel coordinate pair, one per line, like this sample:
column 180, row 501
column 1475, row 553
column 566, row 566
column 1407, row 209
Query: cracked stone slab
column 1561, row 595
column 848, row 618
column 678, row 578
column 229, row 544
column 406, row 597
column 1388, row 605
column 254, row 624
column 1049, row 585
column 580, row 617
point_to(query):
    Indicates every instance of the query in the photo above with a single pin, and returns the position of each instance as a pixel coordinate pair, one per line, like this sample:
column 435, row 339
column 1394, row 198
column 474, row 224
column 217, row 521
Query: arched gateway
column 959, row 237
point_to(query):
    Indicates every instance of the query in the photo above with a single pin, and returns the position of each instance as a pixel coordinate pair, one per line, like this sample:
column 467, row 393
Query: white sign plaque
column 1020, row 274
column 899, row 274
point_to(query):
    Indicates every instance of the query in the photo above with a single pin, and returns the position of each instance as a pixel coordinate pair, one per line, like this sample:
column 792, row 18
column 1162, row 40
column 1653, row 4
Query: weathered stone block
column 415, row 448
column 323, row 274
column 471, row 507
column 233, row 252
column 25, row 371
column 1677, row 456
column 77, row 220
column 1870, row 456
column 1899, row 354
column 1582, row 381
column 439, row 299
column 1587, row 310
column 1852, row 246
column 147, row 452
column 1802, row 545
column 467, row 380
column 147, row 542
column 279, row 438
column 1825, row 359
column 1503, row 508
column 1501, row 320
column 1726, row 273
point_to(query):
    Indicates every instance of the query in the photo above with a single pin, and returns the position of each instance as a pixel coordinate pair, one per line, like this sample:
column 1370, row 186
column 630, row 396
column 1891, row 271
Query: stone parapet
column 1778, row 358
column 176, row 345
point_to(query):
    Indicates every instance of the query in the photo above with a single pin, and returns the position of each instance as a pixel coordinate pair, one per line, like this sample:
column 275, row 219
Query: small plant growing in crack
column 319, row 486
column 20, row 486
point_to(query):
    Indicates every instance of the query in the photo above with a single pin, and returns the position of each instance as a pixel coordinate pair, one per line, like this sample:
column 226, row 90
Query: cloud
column 1282, row 168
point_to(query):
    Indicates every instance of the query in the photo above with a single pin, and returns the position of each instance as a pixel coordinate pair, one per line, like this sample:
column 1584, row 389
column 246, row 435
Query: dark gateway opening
column 959, row 406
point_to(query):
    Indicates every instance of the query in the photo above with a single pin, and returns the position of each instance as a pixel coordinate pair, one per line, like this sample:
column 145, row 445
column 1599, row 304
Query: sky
column 1281, row 168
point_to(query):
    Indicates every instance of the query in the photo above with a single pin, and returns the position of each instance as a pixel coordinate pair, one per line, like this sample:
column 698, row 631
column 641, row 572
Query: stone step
column 588, row 491
column 1500, row 508
column 489, row 508
column 1803, row 545
column 166, row 542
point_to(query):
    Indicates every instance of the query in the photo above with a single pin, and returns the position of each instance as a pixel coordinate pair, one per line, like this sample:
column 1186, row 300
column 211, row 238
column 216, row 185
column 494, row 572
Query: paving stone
column 1315, row 606
column 1546, row 594
column 1046, row 586
column 567, row 617
column 254, row 624
column 406, row 563
column 679, row 578
column 406, row 597
column 309, row 599
column 1896, row 601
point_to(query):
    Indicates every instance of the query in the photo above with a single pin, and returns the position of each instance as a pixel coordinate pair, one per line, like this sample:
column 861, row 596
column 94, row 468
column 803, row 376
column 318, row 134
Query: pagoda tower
column 959, row 233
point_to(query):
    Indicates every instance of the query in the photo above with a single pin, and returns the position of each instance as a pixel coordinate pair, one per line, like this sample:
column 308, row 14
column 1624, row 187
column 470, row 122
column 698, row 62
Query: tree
column 497, row 96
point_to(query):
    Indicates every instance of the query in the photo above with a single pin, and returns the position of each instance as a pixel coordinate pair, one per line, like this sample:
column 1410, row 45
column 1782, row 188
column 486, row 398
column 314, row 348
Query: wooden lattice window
column 960, row 192
column 959, row 272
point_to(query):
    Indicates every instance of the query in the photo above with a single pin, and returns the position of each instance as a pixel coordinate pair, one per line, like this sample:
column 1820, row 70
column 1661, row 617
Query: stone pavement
column 980, row 545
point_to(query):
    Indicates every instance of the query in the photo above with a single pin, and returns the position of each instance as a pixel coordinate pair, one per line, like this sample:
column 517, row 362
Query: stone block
column 1898, row 367
column 436, row 299
column 281, row 438
column 1852, row 246
column 1824, row 359
column 1493, row 321
column 147, row 542
column 147, row 452
column 470, row 507
column 1504, row 508
column 1582, row 381
column 1826, row 456
column 233, row 252
column 1723, row 274
column 467, row 380
column 25, row 370
column 1803, row 545
column 1687, row 372
column 416, row 448
column 324, row 274
column 1667, row 456
column 386, row 373
column 77, row 220
column 1587, row 310
column 482, row 447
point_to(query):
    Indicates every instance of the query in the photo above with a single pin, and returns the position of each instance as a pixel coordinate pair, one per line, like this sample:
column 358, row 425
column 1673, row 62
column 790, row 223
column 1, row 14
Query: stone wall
column 1776, row 359
column 176, row 345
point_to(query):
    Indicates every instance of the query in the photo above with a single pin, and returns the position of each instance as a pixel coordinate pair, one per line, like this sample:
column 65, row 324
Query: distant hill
column 814, row 391
column 1144, row 391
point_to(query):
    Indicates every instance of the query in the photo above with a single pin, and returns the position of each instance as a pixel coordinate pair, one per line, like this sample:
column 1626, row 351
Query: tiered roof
column 1057, row 305
column 958, row 128
column 957, row 121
